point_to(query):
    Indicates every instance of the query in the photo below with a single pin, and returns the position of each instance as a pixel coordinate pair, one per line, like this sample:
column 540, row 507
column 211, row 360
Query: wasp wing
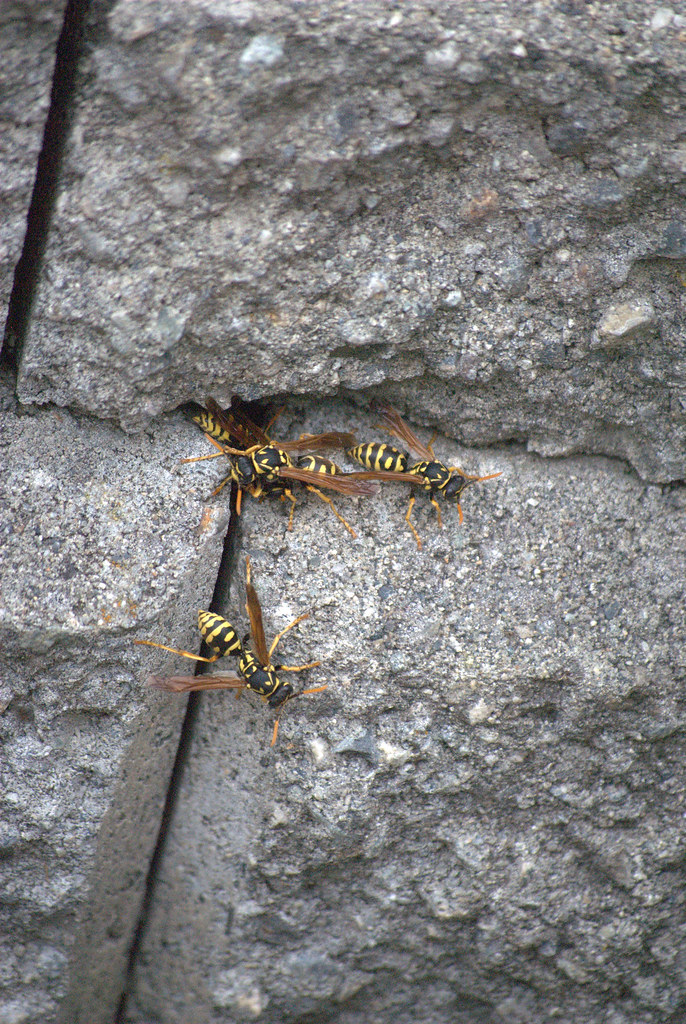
column 319, row 442
column 238, row 412
column 236, row 423
column 388, row 475
column 254, row 611
column 218, row 424
column 394, row 423
column 184, row 684
column 344, row 483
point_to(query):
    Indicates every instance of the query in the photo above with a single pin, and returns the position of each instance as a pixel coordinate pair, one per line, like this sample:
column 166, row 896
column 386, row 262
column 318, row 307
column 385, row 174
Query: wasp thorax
column 434, row 475
column 262, row 679
column 271, row 459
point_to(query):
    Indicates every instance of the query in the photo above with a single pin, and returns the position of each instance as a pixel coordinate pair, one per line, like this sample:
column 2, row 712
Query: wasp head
column 282, row 693
column 245, row 471
column 455, row 485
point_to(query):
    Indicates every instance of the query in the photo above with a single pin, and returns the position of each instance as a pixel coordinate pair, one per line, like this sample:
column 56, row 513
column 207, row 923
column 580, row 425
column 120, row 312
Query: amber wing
column 236, row 422
column 319, row 442
column 383, row 474
column 254, row 611
column 396, row 425
column 344, row 483
column 184, row 684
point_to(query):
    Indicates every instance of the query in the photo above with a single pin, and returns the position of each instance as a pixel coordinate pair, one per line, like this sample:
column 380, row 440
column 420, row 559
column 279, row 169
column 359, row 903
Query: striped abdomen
column 380, row 457
column 211, row 426
column 219, row 634
column 318, row 464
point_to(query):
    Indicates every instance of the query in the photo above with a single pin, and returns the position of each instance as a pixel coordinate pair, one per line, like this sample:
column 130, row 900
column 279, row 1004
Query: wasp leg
column 296, row 668
column 314, row 689
column 214, row 455
column 226, row 450
column 407, row 520
column 288, row 493
column 222, row 485
column 277, row 638
column 327, row 499
column 176, row 650
column 438, row 512
column 201, row 458
column 273, row 420
column 239, row 496
column 459, row 512
column 430, row 444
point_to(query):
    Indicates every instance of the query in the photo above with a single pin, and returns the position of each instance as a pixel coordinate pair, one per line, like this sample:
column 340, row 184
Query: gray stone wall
column 475, row 211
column 29, row 31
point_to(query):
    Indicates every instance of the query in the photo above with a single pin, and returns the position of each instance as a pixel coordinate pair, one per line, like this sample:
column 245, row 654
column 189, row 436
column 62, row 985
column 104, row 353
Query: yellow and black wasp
column 260, row 465
column 255, row 669
column 431, row 474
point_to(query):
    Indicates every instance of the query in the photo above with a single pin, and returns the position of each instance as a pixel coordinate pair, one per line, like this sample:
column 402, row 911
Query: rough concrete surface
column 101, row 540
column 475, row 210
column 482, row 818
column 28, row 35
column 303, row 197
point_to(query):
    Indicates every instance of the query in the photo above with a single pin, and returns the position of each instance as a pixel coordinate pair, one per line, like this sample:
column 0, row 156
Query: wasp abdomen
column 209, row 424
column 378, row 457
column 219, row 634
column 318, row 464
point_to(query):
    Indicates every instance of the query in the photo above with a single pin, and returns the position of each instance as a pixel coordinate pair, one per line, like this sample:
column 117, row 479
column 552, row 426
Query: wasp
column 430, row 473
column 262, row 466
column 256, row 671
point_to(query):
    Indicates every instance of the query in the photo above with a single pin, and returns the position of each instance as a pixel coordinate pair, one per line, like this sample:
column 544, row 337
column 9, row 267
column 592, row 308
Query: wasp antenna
column 473, row 479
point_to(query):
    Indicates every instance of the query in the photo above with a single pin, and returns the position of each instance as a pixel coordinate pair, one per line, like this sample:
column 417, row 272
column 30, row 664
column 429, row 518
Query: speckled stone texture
column 280, row 197
column 100, row 541
column 28, row 36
